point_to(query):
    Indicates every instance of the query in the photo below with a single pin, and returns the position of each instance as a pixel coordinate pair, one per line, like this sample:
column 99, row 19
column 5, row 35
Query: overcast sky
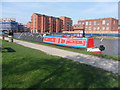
column 22, row 11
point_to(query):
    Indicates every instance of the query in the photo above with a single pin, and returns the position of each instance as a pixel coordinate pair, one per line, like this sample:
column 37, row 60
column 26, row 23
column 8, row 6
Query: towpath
column 106, row 64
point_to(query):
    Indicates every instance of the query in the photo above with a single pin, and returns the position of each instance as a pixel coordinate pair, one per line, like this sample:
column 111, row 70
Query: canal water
column 111, row 46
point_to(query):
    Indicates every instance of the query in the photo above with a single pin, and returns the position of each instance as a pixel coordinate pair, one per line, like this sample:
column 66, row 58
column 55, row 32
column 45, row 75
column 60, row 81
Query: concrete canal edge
column 106, row 64
column 112, row 38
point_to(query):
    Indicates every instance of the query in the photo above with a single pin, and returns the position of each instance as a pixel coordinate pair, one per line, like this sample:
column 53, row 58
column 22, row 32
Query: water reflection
column 111, row 46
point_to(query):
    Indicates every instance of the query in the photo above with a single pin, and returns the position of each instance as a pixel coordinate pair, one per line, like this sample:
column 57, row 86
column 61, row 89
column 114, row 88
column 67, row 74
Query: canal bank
column 108, row 43
column 106, row 64
column 105, row 37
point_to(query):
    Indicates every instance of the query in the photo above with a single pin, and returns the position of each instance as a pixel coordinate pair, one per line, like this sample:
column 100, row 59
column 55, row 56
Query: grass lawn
column 29, row 68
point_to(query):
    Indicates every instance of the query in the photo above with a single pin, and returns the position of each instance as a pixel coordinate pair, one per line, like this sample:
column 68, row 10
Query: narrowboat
column 86, row 43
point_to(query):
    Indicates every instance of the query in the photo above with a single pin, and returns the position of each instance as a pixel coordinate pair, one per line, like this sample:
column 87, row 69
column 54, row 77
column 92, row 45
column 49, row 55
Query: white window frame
column 103, row 27
column 79, row 22
column 119, row 27
column 98, row 28
column 90, row 28
column 90, row 22
column 103, row 21
column 107, row 22
column 86, row 23
column 95, row 23
column 107, row 28
column 94, row 28
column 83, row 22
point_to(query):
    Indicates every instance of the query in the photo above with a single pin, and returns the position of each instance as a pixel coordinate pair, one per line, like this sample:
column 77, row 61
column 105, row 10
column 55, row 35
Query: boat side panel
column 65, row 45
column 71, row 42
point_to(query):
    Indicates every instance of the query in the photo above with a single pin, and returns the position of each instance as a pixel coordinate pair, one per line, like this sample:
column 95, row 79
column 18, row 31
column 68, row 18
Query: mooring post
column 10, row 35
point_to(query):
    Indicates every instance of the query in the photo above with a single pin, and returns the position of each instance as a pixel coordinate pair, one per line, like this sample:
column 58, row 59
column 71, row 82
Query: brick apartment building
column 59, row 25
column 67, row 23
column 28, row 25
column 104, row 24
column 39, row 23
column 43, row 23
column 55, row 24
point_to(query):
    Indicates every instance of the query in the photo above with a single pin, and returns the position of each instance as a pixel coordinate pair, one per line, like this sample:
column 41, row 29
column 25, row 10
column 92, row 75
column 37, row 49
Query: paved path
column 106, row 64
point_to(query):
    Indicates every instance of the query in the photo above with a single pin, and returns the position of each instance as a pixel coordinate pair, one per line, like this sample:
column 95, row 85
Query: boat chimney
column 83, row 30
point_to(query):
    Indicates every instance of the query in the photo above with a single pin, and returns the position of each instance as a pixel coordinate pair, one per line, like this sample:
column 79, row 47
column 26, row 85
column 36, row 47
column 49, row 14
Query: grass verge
column 29, row 68
column 77, row 50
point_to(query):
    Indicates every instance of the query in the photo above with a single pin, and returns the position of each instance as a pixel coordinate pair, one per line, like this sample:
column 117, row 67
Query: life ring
column 102, row 48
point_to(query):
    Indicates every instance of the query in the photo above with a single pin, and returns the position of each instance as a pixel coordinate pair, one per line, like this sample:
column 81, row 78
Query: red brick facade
column 118, row 27
column 104, row 24
column 42, row 24
column 29, row 25
column 67, row 24
column 59, row 25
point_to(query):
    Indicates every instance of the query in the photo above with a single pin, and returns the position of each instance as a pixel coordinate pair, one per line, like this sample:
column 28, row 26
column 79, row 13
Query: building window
column 107, row 28
column 94, row 28
column 94, row 22
column 107, row 22
column 119, row 22
column 103, row 28
column 98, row 28
column 113, row 28
column 119, row 27
column 68, row 22
column 90, row 23
column 89, row 28
column 86, row 28
column 114, row 22
column 82, row 22
column 79, row 23
column 86, row 23
column 97, row 22
column 103, row 22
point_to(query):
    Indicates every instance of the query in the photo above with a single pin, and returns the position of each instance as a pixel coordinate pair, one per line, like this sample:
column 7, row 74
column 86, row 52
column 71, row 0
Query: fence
column 30, row 37
column 38, row 37
column 89, row 34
